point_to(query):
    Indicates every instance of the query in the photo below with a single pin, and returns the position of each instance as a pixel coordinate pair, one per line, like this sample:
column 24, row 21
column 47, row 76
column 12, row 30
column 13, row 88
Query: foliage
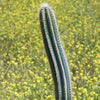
column 24, row 69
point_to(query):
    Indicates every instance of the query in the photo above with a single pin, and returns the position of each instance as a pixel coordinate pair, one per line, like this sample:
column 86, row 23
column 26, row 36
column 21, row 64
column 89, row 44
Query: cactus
column 55, row 53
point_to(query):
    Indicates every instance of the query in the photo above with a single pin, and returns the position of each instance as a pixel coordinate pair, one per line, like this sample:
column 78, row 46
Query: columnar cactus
column 55, row 53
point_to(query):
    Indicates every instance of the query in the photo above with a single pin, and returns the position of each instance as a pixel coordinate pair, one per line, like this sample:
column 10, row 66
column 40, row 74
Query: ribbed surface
column 56, row 56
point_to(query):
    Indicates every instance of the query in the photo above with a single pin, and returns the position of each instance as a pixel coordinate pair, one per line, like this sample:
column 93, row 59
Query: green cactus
column 55, row 53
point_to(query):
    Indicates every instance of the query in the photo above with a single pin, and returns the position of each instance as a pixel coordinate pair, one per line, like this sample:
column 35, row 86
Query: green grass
column 24, row 69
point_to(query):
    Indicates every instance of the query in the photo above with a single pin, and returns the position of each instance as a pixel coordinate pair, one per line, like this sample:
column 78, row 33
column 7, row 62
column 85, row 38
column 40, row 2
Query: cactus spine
column 55, row 53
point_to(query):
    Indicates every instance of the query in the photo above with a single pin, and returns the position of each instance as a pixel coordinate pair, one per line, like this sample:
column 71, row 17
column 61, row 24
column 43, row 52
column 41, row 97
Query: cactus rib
column 50, row 54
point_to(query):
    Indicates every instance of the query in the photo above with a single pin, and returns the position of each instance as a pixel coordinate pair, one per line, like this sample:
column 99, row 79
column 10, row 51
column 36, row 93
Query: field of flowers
column 24, row 69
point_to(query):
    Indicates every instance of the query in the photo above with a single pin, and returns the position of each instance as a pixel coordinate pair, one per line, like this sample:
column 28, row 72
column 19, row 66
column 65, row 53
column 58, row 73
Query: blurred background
column 24, row 69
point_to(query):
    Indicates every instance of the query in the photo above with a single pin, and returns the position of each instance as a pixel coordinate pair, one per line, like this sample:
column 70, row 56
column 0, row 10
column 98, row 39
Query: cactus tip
column 44, row 5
